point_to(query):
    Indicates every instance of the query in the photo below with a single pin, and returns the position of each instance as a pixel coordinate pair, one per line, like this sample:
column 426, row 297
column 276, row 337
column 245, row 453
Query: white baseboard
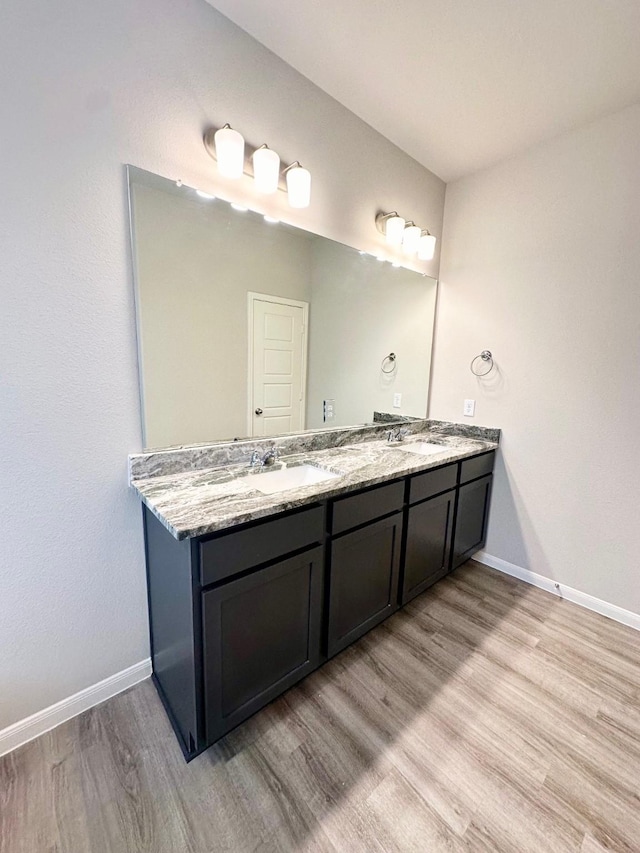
column 43, row 721
column 612, row 611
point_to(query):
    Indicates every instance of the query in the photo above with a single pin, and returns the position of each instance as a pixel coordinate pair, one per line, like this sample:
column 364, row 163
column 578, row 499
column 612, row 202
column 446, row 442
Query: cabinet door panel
column 364, row 580
column 261, row 635
column 472, row 515
column 428, row 544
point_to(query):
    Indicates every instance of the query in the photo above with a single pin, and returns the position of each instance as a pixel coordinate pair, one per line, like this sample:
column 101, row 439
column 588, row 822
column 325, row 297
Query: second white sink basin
column 271, row 482
column 423, row 448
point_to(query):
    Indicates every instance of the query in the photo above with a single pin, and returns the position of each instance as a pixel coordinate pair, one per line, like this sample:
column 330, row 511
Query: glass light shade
column 427, row 247
column 393, row 229
column 411, row 239
column 299, row 187
column 229, row 152
column 266, row 170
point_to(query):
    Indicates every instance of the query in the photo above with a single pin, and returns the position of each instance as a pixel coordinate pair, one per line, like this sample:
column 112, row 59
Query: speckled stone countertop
column 197, row 502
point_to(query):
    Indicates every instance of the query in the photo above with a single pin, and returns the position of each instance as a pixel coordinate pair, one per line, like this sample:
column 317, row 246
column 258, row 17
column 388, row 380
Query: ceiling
column 459, row 85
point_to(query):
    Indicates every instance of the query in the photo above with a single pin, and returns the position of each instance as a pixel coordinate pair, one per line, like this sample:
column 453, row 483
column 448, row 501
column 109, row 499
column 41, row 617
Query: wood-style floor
column 486, row 716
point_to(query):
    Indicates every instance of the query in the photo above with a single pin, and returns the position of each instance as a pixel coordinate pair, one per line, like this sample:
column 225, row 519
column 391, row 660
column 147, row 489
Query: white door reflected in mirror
column 277, row 365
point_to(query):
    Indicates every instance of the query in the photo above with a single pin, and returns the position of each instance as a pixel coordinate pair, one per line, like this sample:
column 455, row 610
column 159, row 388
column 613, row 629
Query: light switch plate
column 469, row 408
column 328, row 410
column 397, row 401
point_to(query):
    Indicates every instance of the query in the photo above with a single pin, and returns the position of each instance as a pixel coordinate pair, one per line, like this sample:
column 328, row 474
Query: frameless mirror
column 252, row 327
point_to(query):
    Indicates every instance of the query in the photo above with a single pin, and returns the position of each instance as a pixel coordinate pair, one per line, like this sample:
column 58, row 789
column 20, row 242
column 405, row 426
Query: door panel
column 363, row 580
column 261, row 635
column 278, row 363
column 472, row 516
column 428, row 544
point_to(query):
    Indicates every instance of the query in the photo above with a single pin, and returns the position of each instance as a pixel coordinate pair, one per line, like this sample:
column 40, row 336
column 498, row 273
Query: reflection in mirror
column 250, row 327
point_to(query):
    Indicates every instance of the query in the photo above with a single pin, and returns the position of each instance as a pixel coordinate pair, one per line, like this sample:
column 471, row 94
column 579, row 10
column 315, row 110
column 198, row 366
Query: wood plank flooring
column 486, row 716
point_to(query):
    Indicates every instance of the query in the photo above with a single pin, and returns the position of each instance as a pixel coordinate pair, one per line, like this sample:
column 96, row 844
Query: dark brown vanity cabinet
column 472, row 517
column 261, row 635
column 429, row 528
column 432, row 498
column 239, row 616
column 472, row 508
column 364, row 563
column 236, row 618
column 363, row 586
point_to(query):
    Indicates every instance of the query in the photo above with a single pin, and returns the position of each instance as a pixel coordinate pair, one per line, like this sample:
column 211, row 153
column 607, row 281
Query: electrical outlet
column 328, row 410
column 469, row 408
column 397, row 401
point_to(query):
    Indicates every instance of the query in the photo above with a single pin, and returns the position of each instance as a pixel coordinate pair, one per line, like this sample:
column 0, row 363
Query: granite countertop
column 198, row 502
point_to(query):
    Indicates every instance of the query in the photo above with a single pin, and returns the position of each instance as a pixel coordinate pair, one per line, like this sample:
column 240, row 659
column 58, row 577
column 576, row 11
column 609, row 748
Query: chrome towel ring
column 486, row 357
column 390, row 362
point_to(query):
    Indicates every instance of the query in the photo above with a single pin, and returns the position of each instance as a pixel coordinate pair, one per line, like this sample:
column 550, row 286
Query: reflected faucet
column 267, row 458
column 397, row 434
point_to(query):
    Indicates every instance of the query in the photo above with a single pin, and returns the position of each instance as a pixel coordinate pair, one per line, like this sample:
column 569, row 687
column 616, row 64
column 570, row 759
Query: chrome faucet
column 267, row 458
column 397, row 434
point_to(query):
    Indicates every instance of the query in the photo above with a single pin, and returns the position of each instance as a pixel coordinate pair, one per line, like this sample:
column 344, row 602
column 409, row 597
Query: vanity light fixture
column 241, row 207
column 412, row 238
column 392, row 226
column 205, row 195
column 270, row 219
column 266, row 170
column 227, row 147
column 298, row 185
column 427, row 246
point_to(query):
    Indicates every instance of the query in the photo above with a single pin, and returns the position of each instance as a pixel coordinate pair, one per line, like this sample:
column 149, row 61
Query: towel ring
column 391, row 358
column 485, row 356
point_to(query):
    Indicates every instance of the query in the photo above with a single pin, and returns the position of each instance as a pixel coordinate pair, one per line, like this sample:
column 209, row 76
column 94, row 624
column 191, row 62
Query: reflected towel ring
column 392, row 358
column 485, row 356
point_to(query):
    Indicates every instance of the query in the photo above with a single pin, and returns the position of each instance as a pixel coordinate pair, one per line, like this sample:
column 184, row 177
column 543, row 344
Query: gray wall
column 88, row 87
column 541, row 266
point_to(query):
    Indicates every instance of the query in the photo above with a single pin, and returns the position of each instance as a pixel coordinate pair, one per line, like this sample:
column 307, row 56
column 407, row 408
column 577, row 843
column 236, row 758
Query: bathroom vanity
column 251, row 591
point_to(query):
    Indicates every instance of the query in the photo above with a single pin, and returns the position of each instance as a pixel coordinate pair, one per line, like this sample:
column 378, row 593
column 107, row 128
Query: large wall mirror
column 253, row 327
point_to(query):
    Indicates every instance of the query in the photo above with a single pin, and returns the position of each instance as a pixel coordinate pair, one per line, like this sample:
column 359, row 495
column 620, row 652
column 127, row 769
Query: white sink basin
column 271, row 482
column 423, row 448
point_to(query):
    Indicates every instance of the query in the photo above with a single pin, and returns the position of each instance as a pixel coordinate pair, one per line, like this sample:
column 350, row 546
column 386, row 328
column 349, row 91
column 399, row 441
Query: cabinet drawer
column 367, row 506
column 232, row 553
column 477, row 466
column 432, row 483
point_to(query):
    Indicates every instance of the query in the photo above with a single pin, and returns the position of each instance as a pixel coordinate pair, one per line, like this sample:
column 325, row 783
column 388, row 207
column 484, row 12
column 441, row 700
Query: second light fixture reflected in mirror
column 412, row 238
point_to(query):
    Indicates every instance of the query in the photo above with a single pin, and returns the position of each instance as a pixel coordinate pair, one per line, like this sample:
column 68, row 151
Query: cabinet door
column 364, row 580
column 261, row 635
column 428, row 544
column 472, row 515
